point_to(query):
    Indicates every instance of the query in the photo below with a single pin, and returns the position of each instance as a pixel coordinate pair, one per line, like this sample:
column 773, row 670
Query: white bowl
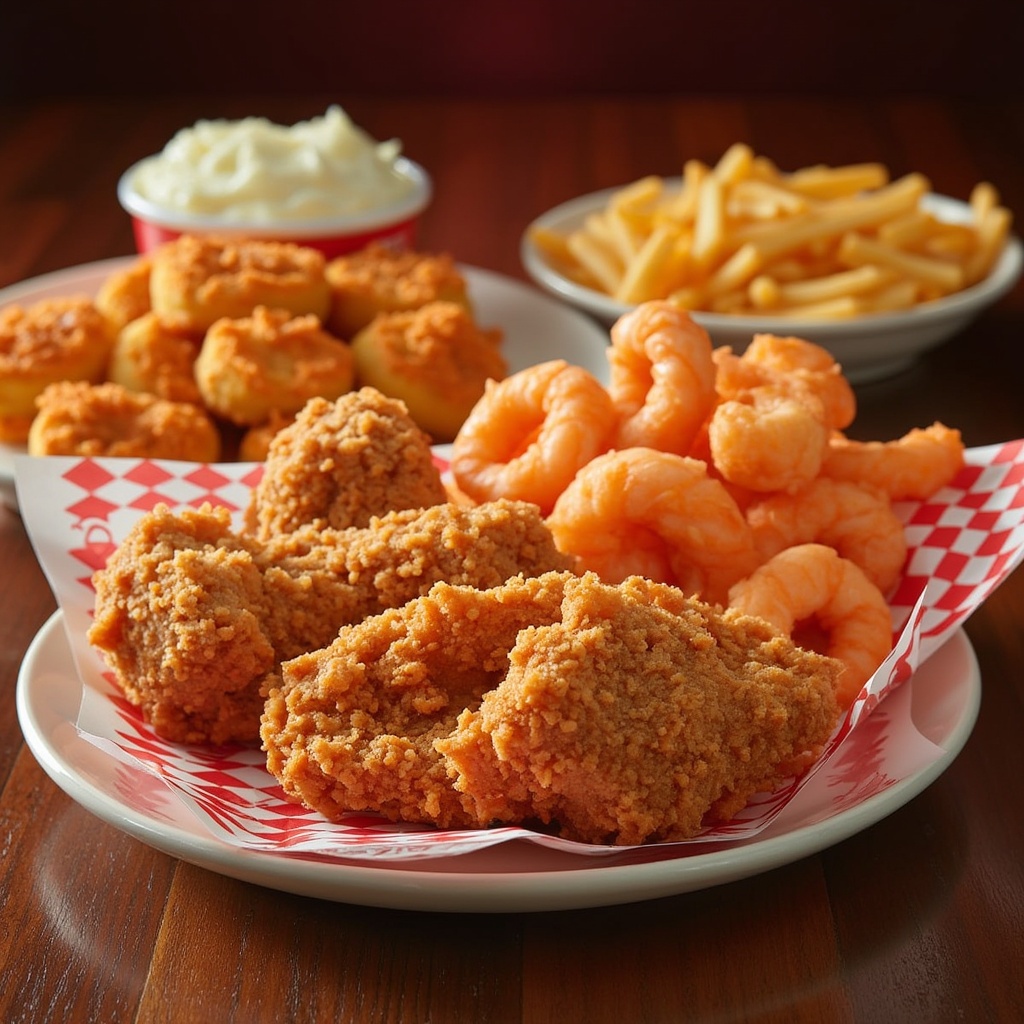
column 393, row 224
column 869, row 347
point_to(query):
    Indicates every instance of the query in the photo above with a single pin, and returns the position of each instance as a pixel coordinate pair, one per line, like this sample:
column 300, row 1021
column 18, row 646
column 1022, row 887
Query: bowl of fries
column 874, row 269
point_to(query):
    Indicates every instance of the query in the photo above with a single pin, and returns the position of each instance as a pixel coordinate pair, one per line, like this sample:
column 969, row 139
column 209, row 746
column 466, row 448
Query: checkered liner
column 964, row 542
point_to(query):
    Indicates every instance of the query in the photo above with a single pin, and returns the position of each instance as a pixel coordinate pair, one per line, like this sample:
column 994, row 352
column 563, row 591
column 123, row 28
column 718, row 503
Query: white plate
column 942, row 699
column 536, row 327
column 868, row 347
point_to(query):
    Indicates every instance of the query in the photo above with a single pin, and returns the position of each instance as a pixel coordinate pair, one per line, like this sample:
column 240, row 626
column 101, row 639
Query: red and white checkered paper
column 963, row 542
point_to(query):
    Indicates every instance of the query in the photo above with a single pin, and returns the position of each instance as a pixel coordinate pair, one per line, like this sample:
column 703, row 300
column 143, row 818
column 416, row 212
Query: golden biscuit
column 77, row 418
column 251, row 367
column 382, row 280
column 152, row 356
column 435, row 359
column 197, row 281
column 124, row 295
column 51, row 340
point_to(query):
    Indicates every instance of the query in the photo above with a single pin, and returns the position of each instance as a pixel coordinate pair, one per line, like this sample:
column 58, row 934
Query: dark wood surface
column 916, row 919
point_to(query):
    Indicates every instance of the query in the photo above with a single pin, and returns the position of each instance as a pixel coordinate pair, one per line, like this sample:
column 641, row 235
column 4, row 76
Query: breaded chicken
column 639, row 715
column 614, row 714
column 341, row 463
column 352, row 727
column 78, row 418
column 194, row 618
column 179, row 610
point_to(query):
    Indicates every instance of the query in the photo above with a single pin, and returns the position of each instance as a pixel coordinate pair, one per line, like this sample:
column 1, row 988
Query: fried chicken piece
column 353, row 727
column 124, row 294
column 401, row 555
column 196, row 280
column 155, row 358
column 60, row 339
column 78, row 418
column 639, row 714
column 436, row 359
column 194, row 618
column 180, row 611
column 271, row 361
column 619, row 714
column 380, row 279
column 341, row 463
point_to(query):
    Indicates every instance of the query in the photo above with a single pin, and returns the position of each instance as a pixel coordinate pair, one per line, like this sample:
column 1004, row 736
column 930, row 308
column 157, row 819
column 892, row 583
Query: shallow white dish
column 943, row 698
column 536, row 327
column 869, row 347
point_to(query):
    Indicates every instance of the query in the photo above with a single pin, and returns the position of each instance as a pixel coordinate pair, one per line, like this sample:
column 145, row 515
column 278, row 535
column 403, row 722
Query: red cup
column 394, row 225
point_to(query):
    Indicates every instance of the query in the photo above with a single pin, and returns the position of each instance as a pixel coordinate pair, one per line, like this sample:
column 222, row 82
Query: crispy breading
column 341, row 463
column 613, row 714
column 352, row 727
column 78, row 418
column 196, row 280
column 194, row 618
column 436, row 359
column 48, row 341
column 638, row 715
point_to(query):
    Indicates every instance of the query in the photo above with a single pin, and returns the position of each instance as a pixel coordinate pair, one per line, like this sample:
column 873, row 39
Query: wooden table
column 918, row 918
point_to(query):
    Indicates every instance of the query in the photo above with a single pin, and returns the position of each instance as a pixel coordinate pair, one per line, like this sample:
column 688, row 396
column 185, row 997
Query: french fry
column 740, row 236
column 597, row 259
column 845, row 215
column 642, row 193
column 831, row 182
column 993, row 230
column 744, row 263
column 839, row 308
column 734, row 164
column 643, row 277
column 983, row 198
column 855, row 250
column 762, row 200
column 900, row 295
column 709, row 221
column 858, row 281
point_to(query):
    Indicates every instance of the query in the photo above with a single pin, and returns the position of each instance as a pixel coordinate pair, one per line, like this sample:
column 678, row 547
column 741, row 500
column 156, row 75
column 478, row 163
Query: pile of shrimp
column 729, row 476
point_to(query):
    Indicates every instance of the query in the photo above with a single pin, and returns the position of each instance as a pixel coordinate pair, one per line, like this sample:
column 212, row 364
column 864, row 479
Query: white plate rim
column 491, row 291
column 427, row 889
column 1002, row 278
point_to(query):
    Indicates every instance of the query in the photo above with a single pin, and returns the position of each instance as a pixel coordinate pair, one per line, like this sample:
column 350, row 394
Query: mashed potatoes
column 255, row 172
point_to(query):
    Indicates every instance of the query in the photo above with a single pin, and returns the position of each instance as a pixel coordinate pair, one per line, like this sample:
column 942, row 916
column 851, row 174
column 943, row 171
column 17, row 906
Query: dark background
column 970, row 48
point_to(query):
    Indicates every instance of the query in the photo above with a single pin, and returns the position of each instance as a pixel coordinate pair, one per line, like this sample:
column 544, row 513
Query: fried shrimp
column 49, row 341
column 636, row 716
column 662, row 378
column 858, row 521
column 810, row 585
column 768, row 440
column 352, row 727
column 341, row 463
column 914, row 466
column 778, row 402
column 530, row 433
column 76, row 418
column 793, row 365
column 656, row 514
